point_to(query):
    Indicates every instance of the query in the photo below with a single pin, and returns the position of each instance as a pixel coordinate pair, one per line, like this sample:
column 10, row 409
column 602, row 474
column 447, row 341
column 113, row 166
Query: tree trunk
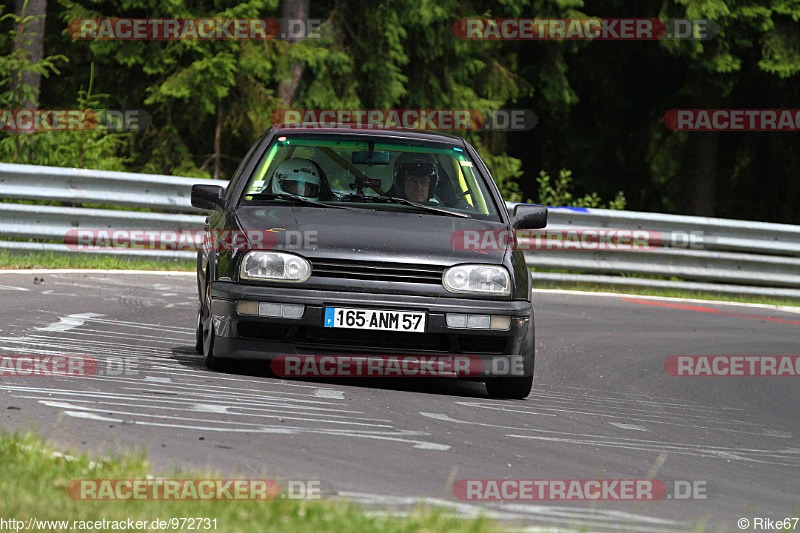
column 702, row 173
column 292, row 9
column 35, row 46
column 218, row 141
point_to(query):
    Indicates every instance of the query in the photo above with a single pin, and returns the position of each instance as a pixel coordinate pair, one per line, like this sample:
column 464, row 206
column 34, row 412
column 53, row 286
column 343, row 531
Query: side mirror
column 528, row 216
column 208, row 197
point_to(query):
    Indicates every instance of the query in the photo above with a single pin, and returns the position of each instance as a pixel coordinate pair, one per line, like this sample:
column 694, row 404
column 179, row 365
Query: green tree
column 19, row 73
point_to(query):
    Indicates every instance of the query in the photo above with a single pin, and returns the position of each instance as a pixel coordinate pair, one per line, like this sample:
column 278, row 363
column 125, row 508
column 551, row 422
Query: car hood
column 366, row 234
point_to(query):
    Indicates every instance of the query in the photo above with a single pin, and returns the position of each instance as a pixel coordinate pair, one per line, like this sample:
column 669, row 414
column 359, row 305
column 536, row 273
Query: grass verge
column 28, row 260
column 34, row 485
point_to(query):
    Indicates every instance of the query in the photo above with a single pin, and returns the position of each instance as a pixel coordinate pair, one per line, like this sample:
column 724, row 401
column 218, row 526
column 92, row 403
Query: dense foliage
column 600, row 104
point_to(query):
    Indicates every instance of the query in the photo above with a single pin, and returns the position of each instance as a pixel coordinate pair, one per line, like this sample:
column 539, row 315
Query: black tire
column 515, row 388
column 211, row 361
column 206, row 328
column 198, row 334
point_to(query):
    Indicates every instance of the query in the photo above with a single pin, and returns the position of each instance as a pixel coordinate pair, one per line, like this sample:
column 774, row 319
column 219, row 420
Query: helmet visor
column 299, row 187
column 417, row 169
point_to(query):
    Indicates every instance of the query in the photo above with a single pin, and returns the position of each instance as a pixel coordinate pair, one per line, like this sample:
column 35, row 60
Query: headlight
column 277, row 266
column 479, row 279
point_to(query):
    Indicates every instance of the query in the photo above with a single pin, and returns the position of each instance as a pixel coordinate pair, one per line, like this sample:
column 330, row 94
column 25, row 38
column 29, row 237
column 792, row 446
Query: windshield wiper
column 293, row 198
column 404, row 201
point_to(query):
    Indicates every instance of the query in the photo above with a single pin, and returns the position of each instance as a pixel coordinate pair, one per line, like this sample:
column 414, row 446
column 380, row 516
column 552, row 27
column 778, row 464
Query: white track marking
column 623, row 413
column 66, row 323
column 431, row 446
column 133, row 415
column 594, row 407
column 566, row 518
column 144, row 325
column 91, row 416
column 650, row 404
column 650, row 398
column 12, row 288
column 395, row 436
column 157, row 379
column 163, row 339
column 790, row 455
column 753, row 454
column 79, row 341
column 274, row 407
column 51, row 293
column 211, row 408
column 628, row 426
column 329, row 393
column 184, row 398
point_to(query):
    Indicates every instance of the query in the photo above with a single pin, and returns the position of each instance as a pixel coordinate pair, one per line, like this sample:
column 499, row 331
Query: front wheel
column 205, row 331
column 198, row 334
column 516, row 388
column 210, row 360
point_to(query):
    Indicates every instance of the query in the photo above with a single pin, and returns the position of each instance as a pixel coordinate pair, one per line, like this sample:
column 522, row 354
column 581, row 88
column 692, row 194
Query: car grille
column 262, row 331
column 377, row 271
column 371, row 340
column 398, row 342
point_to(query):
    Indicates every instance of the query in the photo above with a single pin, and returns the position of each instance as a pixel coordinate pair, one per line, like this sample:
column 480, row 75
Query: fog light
column 247, row 307
column 478, row 321
column 293, row 310
column 281, row 310
column 500, row 322
column 269, row 309
column 456, row 320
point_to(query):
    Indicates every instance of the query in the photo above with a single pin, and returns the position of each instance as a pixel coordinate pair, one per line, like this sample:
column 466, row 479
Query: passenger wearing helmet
column 415, row 177
column 300, row 177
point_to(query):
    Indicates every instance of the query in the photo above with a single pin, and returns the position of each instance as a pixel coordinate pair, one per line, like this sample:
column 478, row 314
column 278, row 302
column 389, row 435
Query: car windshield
column 383, row 174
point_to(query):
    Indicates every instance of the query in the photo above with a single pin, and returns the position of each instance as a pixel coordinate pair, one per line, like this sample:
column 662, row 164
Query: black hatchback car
column 368, row 242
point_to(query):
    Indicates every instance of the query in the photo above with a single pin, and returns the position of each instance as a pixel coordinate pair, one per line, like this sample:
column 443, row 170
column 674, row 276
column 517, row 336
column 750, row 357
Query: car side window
column 237, row 174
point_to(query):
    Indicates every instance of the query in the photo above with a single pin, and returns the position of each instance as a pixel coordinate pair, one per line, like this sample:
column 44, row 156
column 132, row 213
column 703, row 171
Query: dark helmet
column 412, row 164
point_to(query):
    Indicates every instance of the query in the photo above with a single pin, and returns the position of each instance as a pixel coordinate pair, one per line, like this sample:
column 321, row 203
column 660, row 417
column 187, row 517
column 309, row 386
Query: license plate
column 375, row 319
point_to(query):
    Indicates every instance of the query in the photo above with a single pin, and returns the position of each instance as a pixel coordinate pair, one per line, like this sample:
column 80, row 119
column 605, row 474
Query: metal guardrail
column 76, row 185
column 730, row 256
column 168, row 196
column 726, row 255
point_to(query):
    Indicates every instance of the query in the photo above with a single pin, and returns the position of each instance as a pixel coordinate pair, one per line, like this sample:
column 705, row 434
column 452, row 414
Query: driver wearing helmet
column 300, row 177
column 415, row 177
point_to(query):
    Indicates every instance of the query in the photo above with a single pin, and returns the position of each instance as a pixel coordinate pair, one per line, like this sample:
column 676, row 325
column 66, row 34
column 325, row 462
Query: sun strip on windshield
column 362, row 144
column 258, row 183
column 465, row 171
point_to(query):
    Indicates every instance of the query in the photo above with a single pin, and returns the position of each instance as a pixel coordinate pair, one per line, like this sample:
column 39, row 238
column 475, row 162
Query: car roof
column 354, row 129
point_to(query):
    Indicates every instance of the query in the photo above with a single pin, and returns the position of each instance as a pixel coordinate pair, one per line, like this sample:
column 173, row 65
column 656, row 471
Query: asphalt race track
column 602, row 406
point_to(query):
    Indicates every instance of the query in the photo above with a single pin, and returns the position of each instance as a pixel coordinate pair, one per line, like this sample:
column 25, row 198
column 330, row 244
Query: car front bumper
column 249, row 337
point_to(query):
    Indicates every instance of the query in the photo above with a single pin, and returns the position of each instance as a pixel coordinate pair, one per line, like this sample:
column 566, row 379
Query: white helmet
column 297, row 176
